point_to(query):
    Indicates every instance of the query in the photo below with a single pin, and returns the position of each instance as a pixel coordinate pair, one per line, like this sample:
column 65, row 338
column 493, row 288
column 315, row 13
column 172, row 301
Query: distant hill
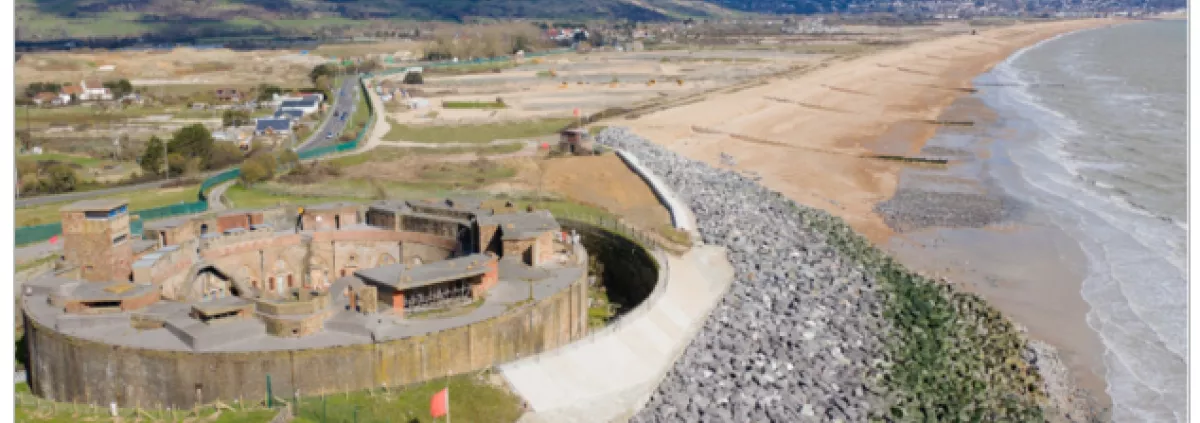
column 74, row 19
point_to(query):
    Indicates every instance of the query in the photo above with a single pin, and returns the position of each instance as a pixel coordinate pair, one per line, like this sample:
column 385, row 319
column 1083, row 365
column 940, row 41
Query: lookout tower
column 96, row 238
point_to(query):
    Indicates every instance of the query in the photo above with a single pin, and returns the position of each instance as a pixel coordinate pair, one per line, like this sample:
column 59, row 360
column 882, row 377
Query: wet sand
column 952, row 223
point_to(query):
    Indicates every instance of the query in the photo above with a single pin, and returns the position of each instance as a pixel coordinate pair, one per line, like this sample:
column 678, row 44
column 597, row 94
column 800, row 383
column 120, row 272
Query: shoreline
column 876, row 104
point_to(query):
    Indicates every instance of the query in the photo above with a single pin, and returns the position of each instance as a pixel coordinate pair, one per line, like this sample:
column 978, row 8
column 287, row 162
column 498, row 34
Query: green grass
column 674, row 235
column 386, row 154
column 601, row 310
column 470, row 68
column 476, row 133
column 75, row 115
column 596, row 129
column 256, row 197
column 84, row 161
column 487, row 105
column 465, row 172
column 29, row 408
column 35, row 263
column 471, row 400
column 138, row 200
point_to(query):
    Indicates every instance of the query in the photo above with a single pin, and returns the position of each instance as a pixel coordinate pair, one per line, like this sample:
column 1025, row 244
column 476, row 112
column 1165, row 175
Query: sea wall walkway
column 611, row 374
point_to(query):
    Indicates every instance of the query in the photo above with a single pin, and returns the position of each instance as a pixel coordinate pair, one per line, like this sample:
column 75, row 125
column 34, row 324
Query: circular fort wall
column 627, row 270
column 69, row 368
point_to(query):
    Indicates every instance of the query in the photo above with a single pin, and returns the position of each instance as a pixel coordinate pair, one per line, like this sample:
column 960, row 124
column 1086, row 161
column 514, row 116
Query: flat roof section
column 402, row 276
column 95, row 205
column 523, row 225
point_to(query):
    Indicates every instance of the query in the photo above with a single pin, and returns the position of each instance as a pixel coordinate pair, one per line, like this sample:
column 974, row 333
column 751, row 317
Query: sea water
column 1097, row 138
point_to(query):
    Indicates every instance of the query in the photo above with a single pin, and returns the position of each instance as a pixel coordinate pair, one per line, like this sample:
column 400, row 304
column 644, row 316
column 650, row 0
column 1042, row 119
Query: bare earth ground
column 181, row 66
column 806, row 135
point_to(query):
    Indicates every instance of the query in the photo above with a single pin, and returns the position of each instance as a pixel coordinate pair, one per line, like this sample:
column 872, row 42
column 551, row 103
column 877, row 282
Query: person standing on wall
column 299, row 219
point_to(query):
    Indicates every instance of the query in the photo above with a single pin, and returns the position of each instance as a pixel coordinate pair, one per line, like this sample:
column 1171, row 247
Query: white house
column 307, row 105
column 94, row 90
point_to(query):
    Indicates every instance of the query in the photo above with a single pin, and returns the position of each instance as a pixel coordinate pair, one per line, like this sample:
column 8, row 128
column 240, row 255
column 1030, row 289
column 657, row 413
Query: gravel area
column 799, row 335
column 802, row 334
column 913, row 209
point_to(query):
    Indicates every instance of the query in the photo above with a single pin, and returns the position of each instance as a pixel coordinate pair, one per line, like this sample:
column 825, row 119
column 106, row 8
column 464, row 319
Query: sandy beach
column 807, row 137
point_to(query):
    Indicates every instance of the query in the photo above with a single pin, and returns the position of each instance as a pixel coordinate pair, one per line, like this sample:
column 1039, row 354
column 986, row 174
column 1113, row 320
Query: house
column 307, row 105
column 320, row 96
column 228, row 94
column 289, row 114
column 51, row 99
column 72, row 91
column 267, row 126
column 93, row 89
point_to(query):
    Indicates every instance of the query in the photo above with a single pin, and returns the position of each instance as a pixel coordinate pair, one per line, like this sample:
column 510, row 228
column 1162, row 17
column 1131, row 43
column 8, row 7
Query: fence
column 39, row 233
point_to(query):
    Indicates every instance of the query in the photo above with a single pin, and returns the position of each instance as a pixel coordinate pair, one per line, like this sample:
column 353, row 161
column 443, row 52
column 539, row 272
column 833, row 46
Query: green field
column 138, row 200
column 471, row 400
column 476, row 133
column 385, row 154
column 29, row 408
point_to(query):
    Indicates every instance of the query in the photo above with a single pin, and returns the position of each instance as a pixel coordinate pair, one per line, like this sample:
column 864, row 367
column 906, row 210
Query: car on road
column 328, row 135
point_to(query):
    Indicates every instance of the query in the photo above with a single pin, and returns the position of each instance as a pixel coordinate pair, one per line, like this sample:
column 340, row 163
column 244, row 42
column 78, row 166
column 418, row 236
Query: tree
column 267, row 91
column 152, row 158
column 119, row 88
column 235, row 118
column 193, row 141
column 324, row 83
column 324, row 69
column 258, row 168
column 414, row 78
column 59, row 178
column 177, row 163
column 40, row 87
column 289, row 158
column 225, row 154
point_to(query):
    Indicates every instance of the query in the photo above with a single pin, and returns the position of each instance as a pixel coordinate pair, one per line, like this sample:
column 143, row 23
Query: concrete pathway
column 216, row 197
column 612, row 373
column 36, row 251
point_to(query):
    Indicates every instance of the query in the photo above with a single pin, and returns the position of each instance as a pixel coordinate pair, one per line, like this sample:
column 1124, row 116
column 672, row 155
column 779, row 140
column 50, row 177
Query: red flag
column 576, row 112
column 440, row 404
column 54, row 239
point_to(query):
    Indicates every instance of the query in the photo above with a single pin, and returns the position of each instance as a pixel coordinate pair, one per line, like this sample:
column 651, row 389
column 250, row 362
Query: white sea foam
column 1136, row 284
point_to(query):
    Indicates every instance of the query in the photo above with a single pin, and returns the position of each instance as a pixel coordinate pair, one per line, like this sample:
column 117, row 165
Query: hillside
column 80, row 19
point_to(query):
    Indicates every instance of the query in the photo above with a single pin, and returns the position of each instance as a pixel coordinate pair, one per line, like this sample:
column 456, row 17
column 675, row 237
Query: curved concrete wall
column 681, row 216
column 66, row 368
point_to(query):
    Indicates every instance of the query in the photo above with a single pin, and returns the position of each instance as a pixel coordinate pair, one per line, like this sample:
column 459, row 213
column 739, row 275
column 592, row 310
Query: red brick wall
column 398, row 303
column 231, row 221
column 135, row 303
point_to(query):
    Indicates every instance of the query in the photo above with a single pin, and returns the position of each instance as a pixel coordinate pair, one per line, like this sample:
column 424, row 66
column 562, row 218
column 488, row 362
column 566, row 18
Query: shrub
column 414, row 78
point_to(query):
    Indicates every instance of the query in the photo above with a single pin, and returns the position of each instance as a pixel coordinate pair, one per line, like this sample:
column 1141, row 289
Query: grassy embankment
column 357, row 120
column 28, row 408
column 482, row 133
column 953, row 356
column 138, row 200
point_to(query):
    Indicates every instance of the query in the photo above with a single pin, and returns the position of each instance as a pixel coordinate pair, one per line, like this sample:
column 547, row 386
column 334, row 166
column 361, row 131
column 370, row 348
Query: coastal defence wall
column 628, row 271
column 70, row 369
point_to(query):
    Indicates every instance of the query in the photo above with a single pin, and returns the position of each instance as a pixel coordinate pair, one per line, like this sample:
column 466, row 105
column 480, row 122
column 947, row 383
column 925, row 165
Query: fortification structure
column 332, row 298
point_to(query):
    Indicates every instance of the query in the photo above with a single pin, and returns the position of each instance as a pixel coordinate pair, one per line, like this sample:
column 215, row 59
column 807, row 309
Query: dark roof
column 306, row 102
column 405, row 276
column 523, row 225
column 273, row 124
column 289, row 113
column 94, row 205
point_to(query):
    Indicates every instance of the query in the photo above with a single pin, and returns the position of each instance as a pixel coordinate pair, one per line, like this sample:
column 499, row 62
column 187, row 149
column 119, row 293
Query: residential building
column 307, row 105
column 289, row 114
column 267, row 126
column 93, row 90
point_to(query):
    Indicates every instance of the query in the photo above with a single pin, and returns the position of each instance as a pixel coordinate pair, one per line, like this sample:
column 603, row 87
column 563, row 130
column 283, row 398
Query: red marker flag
column 440, row 404
column 54, row 239
column 576, row 112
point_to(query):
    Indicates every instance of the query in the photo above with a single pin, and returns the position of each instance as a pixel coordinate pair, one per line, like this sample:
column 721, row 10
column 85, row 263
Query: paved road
column 346, row 101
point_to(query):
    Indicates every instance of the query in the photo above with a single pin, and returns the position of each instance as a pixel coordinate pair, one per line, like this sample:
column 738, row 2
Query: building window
column 120, row 238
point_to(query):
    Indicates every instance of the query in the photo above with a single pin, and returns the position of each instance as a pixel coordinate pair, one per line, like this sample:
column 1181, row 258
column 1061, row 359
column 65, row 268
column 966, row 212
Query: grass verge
column 138, row 200
column 476, row 133
column 29, row 408
column 471, row 400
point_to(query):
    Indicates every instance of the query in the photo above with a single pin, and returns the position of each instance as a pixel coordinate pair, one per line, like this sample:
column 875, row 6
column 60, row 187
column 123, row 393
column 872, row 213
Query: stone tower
column 96, row 238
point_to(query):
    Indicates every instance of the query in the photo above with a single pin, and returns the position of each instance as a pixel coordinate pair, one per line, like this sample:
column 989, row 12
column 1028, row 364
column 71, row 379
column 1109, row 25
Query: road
column 346, row 101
